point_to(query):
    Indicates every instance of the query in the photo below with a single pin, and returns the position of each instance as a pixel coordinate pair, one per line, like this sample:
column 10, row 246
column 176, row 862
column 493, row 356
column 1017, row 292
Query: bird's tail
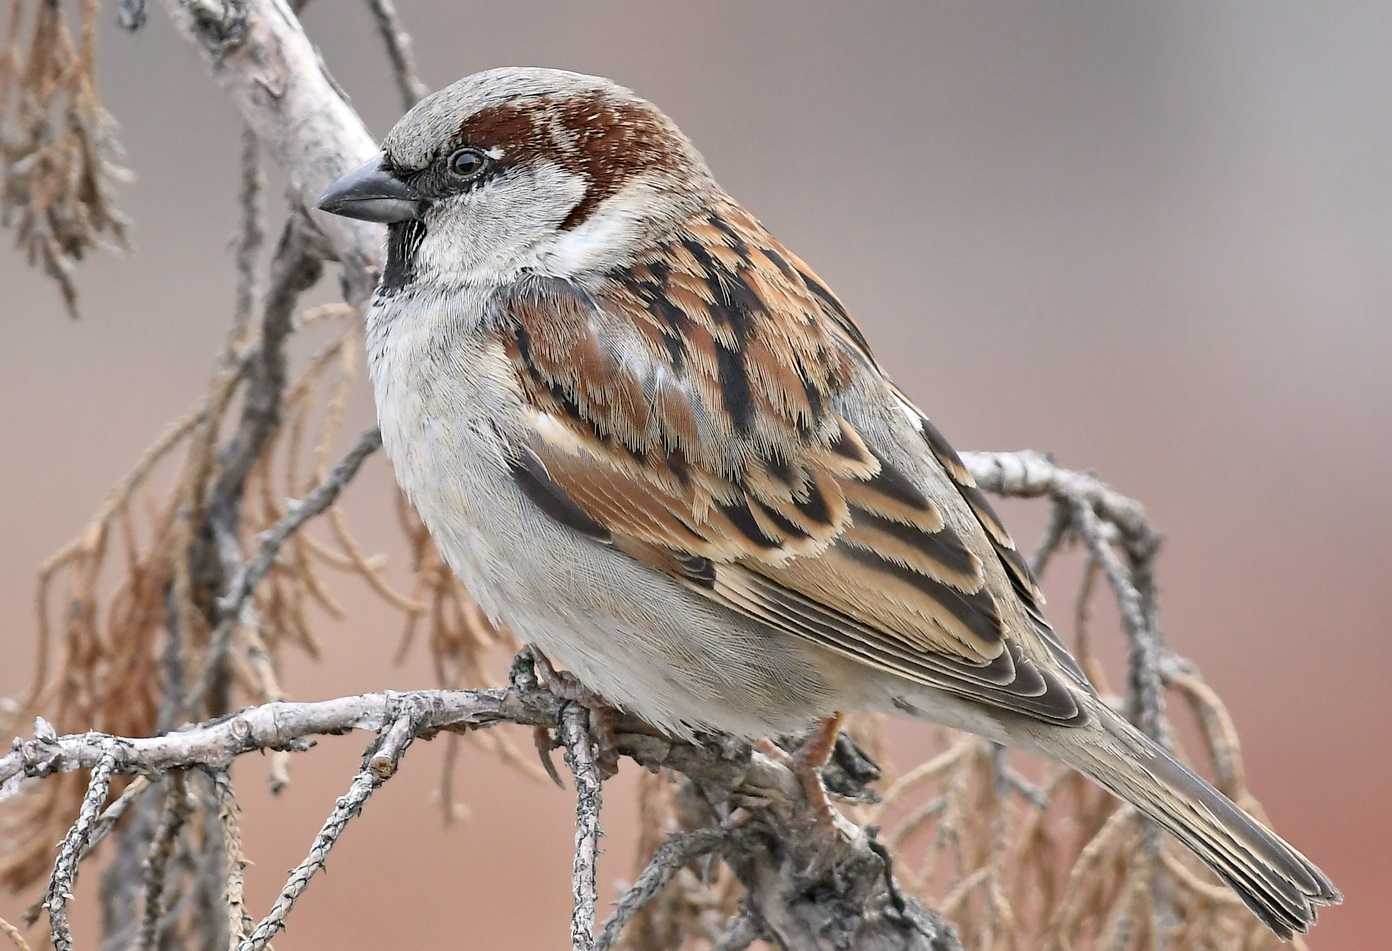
column 1282, row 887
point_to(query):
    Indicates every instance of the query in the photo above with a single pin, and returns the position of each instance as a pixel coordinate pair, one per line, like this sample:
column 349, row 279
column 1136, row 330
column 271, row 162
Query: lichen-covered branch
column 580, row 757
column 778, row 866
column 679, row 850
column 74, row 844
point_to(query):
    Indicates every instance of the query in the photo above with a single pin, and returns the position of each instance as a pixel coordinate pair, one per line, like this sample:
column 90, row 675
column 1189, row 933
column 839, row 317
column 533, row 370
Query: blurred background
column 1152, row 240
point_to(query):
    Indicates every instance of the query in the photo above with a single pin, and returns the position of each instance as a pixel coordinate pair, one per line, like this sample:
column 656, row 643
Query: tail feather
column 1282, row 887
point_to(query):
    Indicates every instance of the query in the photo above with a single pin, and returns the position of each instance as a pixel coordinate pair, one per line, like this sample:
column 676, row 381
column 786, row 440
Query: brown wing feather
column 686, row 405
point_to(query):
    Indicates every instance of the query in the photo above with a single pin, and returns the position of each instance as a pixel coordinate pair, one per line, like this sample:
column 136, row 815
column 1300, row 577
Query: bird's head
column 513, row 170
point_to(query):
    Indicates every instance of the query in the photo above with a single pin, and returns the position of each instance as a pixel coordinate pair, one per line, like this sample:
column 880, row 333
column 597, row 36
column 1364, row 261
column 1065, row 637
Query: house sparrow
column 651, row 441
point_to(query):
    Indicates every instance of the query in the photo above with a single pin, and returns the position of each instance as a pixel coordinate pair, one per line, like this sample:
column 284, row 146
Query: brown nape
column 608, row 142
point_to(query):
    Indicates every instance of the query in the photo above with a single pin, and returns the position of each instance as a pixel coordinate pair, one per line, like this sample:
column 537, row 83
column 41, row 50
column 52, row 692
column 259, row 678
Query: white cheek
column 488, row 235
column 607, row 236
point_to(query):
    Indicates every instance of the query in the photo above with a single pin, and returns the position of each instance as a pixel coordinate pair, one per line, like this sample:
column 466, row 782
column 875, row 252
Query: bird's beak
column 373, row 194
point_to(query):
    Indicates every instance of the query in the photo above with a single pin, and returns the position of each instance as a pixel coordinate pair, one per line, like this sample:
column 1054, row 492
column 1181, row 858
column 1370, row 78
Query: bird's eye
column 467, row 163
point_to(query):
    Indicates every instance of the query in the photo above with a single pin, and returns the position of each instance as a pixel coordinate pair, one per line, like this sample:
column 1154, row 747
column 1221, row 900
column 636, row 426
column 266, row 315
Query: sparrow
column 654, row 443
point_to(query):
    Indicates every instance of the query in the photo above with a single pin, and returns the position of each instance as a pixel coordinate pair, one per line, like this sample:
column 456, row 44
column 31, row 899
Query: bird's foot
column 603, row 717
column 806, row 762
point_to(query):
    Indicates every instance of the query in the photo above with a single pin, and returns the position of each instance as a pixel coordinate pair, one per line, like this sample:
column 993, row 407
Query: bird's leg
column 603, row 716
column 807, row 763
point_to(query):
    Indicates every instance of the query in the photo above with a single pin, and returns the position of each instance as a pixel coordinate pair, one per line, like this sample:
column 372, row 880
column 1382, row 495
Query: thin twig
column 1028, row 474
column 1055, row 532
column 234, row 603
column 398, row 43
column 1147, row 691
column 271, row 726
column 64, row 878
column 239, row 920
column 136, row 788
column 379, row 765
column 13, row 933
column 300, row 512
column 250, row 237
column 679, row 850
column 579, row 756
column 177, row 807
column 294, row 269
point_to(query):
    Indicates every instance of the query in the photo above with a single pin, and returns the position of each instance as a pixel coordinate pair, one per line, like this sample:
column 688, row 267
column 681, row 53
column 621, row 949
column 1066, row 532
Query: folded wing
column 685, row 411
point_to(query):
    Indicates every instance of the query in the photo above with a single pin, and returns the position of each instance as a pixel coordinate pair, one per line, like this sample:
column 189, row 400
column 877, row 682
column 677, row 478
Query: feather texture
column 686, row 404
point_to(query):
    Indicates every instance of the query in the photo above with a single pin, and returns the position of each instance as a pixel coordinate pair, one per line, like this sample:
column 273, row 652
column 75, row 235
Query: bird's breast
column 448, row 406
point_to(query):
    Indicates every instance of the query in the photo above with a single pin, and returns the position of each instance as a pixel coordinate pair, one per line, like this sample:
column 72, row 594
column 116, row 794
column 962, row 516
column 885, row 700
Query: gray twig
column 229, row 819
column 64, row 878
column 1100, row 516
column 1029, row 474
column 398, row 43
column 250, row 236
column 315, row 503
column 136, row 788
column 579, row 756
column 1054, row 534
column 177, row 806
column 679, row 850
column 233, row 605
column 379, row 765
column 1147, row 692
column 294, row 269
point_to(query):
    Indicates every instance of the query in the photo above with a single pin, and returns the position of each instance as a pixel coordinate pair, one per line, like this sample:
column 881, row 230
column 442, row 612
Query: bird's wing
column 694, row 410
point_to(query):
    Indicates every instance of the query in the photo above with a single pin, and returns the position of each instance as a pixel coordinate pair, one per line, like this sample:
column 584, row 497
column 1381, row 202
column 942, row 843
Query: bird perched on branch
column 655, row 444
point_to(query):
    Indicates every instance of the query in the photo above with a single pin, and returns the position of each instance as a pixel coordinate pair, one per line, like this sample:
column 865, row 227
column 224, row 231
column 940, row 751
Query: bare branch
column 295, row 269
column 236, row 601
column 324, row 495
column 849, row 868
column 679, row 850
column 272, row 726
column 1098, row 514
column 64, row 878
column 250, row 236
column 177, row 807
column 398, row 43
column 379, row 765
column 1028, row 473
column 270, row 69
column 13, row 933
column 229, row 818
column 579, row 756
column 1147, row 694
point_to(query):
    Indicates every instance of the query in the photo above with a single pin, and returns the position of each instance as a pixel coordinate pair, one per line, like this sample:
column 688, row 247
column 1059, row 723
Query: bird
column 656, row 445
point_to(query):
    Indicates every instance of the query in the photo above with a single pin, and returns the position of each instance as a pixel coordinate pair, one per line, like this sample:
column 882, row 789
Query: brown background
column 1153, row 241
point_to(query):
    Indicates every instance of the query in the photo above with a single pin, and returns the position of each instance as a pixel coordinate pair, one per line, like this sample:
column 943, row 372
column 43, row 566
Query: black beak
column 373, row 194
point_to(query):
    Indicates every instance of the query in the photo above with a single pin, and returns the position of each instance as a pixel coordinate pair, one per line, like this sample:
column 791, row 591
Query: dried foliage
column 105, row 601
column 195, row 579
column 58, row 149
